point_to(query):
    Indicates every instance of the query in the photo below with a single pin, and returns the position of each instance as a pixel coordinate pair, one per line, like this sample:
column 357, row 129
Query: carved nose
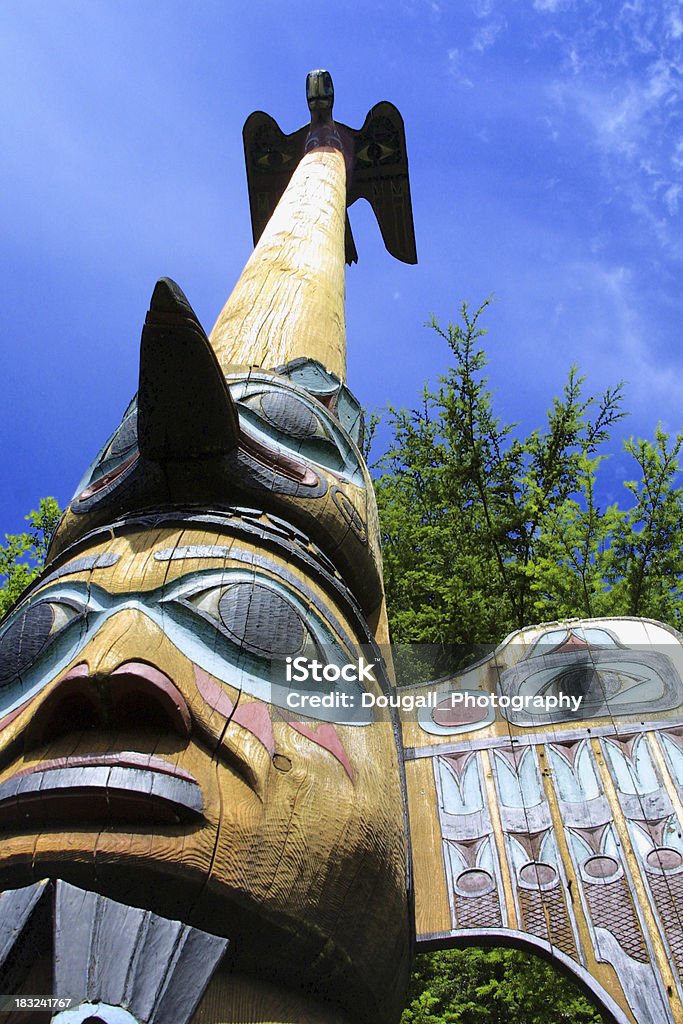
column 134, row 696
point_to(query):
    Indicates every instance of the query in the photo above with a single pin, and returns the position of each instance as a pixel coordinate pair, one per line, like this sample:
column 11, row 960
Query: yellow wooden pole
column 289, row 300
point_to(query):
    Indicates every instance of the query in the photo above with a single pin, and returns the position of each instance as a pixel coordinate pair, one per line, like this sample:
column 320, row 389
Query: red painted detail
column 664, row 857
column 592, row 836
column 572, row 643
column 278, row 462
column 458, row 763
column 136, row 691
column 537, row 874
column 325, row 736
column 601, row 867
column 77, row 672
column 255, row 718
column 103, row 481
column 568, row 749
column 4, row 722
column 513, row 755
column 449, row 716
column 211, row 692
column 475, row 881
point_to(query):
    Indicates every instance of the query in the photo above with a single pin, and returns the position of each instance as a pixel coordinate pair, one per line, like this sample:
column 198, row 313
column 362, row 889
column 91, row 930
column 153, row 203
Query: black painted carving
column 184, row 407
column 126, row 437
column 317, row 566
column 329, row 390
column 16, row 908
column 287, row 414
column 26, row 637
column 106, row 954
column 377, row 166
column 351, row 515
column 261, row 620
column 26, row 940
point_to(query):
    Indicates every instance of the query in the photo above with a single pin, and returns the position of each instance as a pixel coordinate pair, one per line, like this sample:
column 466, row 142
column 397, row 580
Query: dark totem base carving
column 116, row 964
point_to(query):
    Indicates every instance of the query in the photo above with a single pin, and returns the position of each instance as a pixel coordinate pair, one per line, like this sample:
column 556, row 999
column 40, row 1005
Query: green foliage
column 23, row 554
column 495, row 986
column 485, row 530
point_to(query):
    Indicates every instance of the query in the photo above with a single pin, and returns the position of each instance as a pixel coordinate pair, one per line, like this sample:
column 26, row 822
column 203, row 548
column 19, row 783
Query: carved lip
column 126, row 787
column 119, row 759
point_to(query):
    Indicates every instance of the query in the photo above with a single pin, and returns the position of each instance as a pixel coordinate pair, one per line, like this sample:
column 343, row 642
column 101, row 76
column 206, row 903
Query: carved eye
column 285, row 413
column 375, row 153
column 273, row 159
column 29, row 633
column 292, row 422
column 116, row 459
column 256, row 618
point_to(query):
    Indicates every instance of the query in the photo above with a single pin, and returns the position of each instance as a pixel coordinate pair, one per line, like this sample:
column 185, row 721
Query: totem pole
column 178, row 844
column 187, row 836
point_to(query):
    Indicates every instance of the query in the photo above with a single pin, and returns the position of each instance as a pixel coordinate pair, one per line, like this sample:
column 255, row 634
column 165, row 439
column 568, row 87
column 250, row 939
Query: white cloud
column 621, row 91
column 671, row 197
column 455, row 67
column 486, row 36
column 619, row 343
column 483, row 8
column 550, row 6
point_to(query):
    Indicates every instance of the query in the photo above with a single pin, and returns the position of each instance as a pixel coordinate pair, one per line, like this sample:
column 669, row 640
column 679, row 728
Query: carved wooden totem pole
column 188, row 837
column 211, row 854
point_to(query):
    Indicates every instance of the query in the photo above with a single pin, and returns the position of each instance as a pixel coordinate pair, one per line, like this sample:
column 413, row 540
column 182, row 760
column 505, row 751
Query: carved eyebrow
column 192, row 551
column 86, row 563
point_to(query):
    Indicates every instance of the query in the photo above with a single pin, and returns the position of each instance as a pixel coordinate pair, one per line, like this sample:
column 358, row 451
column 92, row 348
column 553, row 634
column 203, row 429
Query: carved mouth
column 126, row 788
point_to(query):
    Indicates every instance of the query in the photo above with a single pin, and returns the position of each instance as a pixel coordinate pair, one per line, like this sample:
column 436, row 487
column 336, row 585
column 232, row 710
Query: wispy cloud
column 456, row 65
column 551, row 6
column 618, row 341
column 623, row 84
column 486, row 36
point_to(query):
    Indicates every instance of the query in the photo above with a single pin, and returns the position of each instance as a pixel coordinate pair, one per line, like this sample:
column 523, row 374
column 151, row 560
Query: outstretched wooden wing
column 380, row 174
column 552, row 815
column 271, row 157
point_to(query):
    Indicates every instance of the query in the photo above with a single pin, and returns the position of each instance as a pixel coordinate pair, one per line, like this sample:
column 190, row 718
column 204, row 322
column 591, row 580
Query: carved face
column 144, row 751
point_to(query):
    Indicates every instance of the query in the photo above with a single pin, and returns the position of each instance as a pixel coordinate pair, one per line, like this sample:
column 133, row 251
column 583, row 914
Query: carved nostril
column 135, row 696
column 75, row 713
column 71, row 707
column 144, row 697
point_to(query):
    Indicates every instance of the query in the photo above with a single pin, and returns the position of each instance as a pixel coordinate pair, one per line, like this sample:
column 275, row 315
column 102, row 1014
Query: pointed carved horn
column 185, row 410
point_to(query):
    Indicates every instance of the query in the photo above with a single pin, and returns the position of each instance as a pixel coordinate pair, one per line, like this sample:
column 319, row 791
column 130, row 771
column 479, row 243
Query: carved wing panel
column 544, row 788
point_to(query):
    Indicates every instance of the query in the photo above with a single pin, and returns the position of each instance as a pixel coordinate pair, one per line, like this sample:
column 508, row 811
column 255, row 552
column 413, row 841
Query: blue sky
column 545, row 140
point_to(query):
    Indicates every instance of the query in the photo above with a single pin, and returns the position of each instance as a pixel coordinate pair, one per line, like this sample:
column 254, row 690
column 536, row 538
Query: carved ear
column 185, row 410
